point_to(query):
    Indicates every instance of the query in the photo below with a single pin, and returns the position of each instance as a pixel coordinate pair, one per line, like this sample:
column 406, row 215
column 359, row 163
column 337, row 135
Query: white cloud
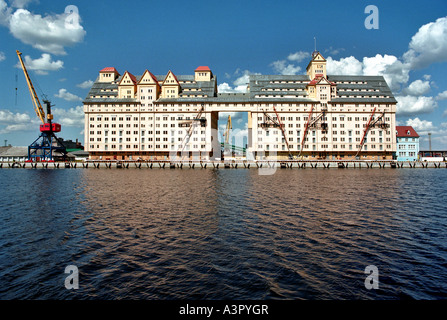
column 64, row 94
column 284, row 68
column 7, row 117
column 240, row 84
column 16, row 127
column 5, row 13
column 224, row 88
column 442, row 95
column 409, row 105
column 21, row 3
column 43, row 64
column 417, row 88
column 86, row 84
column 50, row 33
column 392, row 69
column 344, row 66
column 16, row 122
column 298, row 56
column 2, row 56
column 73, row 117
column 334, row 51
column 428, row 45
column 420, row 125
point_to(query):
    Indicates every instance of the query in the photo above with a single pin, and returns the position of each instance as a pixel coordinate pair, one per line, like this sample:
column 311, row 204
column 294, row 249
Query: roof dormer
column 203, row 73
column 108, row 74
column 127, row 86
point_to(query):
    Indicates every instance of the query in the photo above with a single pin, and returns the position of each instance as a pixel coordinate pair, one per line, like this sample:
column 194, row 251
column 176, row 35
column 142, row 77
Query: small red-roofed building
column 203, row 73
column 407, row 143
column 108, row 74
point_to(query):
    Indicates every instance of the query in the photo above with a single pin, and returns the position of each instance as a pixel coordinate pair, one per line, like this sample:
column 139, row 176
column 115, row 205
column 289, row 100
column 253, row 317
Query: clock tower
column 317, row 66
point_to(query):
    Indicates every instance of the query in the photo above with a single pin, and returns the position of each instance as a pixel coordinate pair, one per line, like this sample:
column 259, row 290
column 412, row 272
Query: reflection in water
column 230, row 234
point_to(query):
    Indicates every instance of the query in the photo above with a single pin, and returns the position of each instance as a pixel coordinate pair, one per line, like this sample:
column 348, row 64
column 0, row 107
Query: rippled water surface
column 223, row 234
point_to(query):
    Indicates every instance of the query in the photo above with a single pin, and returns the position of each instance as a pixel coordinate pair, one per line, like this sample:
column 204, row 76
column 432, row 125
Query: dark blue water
column 223, row 234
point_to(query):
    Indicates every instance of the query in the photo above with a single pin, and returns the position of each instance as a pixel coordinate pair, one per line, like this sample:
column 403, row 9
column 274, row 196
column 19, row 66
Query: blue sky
column 234, row 38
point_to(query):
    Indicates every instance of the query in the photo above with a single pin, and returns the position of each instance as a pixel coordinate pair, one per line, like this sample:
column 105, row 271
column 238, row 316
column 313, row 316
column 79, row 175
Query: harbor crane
column 43, row 148
column 313, row 123
column 226, row 136
column 192, row 124
column 270, row 122
column 378, row 122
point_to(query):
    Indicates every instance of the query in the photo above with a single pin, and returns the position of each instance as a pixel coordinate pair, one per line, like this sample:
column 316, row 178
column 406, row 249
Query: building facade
column 407, row 144
column 311, row 116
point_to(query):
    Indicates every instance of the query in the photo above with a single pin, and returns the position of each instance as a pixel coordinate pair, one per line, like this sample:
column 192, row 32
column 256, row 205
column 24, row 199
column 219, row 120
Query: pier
column 230, row 164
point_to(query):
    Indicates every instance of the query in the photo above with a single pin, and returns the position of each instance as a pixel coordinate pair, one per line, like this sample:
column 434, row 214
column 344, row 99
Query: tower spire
column 315, row 48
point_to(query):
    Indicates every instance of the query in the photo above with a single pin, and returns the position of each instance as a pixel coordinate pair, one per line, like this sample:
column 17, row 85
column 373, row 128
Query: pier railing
column 217, row 164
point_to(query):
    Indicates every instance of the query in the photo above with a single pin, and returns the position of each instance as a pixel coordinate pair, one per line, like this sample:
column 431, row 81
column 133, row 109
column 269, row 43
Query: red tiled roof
column 317, row 79
column 175, row 77
column 151, row 75
column 132, row 77
column 203, row 68
column 406, row 131
column 109, row 69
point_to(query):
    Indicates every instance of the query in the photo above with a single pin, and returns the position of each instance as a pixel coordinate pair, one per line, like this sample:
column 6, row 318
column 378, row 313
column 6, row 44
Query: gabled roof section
column 148, row 78
column 320, row 79
column 406, row 132
column 128, row 76
column 316, row 57
column 171, row 77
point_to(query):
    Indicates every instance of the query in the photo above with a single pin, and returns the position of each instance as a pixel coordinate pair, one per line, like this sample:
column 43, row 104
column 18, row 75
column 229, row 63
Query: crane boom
column 35, row 99
column 281, row 126
column 306, row 128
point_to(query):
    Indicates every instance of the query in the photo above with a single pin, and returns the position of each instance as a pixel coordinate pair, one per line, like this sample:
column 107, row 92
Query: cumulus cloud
column 5, row 13
column 7, row 117
column 86, row 84
column 13, row 122
column 239, row 85
column 442, row 95
column 285, row 68
column 420, row 125
column 43, row 64
column 73, row 117
column 334, row 51
column 2, row 56
column 21, row 3
column 298, row 56
column 64, row 94
column 344, row 66
column 49, row 33
column 417, row 88
column 410, row 105
column 390, row 67
column 428, row 45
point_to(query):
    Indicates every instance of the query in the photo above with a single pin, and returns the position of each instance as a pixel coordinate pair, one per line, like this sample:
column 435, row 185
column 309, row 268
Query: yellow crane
column 43, row 147
column 226, row 134
column 226, row 138
column 34, row 98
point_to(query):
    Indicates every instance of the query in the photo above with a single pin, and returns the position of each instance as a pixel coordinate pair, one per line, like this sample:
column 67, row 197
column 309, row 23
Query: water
column 223, row 234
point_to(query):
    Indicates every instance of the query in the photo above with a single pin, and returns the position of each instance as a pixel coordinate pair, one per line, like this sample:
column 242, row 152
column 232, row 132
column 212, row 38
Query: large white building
column 311, row 116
